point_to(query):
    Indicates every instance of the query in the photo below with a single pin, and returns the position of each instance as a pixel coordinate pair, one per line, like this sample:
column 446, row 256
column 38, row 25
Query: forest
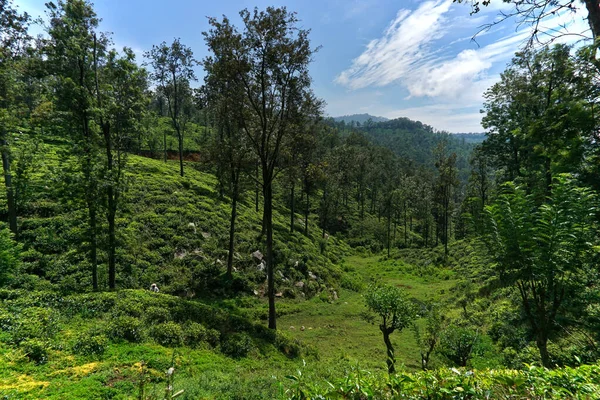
column 164, row 236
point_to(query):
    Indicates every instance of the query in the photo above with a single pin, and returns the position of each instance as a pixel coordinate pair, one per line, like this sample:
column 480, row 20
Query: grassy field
column 335, row 339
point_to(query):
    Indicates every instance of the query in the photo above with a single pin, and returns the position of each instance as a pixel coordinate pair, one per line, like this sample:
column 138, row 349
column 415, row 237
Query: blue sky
column 394, row 58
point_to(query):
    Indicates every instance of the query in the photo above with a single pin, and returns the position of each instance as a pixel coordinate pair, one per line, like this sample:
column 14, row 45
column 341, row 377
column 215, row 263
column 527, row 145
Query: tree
column 535, row 12
column 540, row 117
column 447, row 181
column 270, row 58
column 544, row 251
column 458, row 343
column 121, row 98
column 172, row 71
column 13, row 39
column 230, row 149
column 428, row 338
column 396, row 312
column 71, row 50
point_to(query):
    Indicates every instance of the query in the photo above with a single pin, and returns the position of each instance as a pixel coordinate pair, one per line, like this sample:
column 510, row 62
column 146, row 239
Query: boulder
column 279, row 294
column 258, row 256
column 193, row 226
column 180, row 254
column 312, row 276
column 299, row 285
column 262, row 266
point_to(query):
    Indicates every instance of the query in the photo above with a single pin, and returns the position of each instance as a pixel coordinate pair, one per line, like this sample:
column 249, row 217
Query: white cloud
column 411, row 55
column 389, row 58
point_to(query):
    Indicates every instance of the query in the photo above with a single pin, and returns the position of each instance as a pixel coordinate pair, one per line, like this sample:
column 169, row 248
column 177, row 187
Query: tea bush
column 168, row 334
column 90, row 343
column 125, row 328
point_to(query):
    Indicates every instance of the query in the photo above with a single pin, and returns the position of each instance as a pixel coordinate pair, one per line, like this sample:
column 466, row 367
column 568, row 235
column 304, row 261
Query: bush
column 352, row 282
column 34, row 322
column 194, row 334
column 157, row 315
column 168, row 334
column 90, row 343
column 36, row 350
column 125, row 328
column 213, row 337
column 289, row 347
column 237, row 345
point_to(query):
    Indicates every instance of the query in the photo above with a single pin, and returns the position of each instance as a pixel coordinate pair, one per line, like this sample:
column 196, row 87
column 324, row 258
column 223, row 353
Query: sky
column 390, row 58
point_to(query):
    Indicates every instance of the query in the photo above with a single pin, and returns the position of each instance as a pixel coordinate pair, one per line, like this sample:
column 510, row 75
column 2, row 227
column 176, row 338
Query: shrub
column 36, row 350
column 90, row 343
column 237, row 345
column 34, row 322
column 290, row 347
column 352, row 282
column 156, row 315
column 213, row 337
column 129, row 307
column 168, row 334
column 125, row 328
column 194, row 334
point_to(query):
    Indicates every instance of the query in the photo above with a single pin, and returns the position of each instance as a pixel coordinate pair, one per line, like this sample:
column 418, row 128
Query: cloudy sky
column 393, row 58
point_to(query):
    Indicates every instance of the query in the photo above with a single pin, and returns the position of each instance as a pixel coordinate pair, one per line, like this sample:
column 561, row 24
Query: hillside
column 173, row 231
column 360, row 118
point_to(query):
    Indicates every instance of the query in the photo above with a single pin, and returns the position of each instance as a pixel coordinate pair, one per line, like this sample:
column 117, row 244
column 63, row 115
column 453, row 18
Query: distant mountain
column 470, row 137
column 362, row 118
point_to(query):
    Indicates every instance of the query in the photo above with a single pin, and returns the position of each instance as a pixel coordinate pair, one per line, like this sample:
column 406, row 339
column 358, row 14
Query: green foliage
column 125, row 328
column 169, row 334
column 90, row 343
column 237, row 345
column 33, row 323
column 392, row 305
column 544, row 251
column 195, row 334
column 9, row 255
column 35, row 349
column 458, row 344
column 451, row 384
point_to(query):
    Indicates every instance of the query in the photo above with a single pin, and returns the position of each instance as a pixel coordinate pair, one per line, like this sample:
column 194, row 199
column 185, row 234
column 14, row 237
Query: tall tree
column 172, row 70
column 270, row 58
column 447, row 181
column 13, row 39
column 545, row 252
column 539, row 117
column 72, row 47
column 121, row 98
column 229, row 147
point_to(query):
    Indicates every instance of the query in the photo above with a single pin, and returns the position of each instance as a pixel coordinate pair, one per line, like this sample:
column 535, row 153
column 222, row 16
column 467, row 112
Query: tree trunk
column 268, row 223
column 390, row 349
column 292, row 203
column 389, row 229
column 165, row 145
column 93, row 242
column 256, row 189
column 10, row 194
column 405, row 226
column 306, row 212
column 234, row 199
column 593, row 9
column 180, row 137
column 542, row 344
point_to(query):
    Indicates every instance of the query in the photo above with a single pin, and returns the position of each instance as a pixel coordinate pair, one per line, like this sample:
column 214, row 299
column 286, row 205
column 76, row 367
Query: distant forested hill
column 471, row 137
column 360, row 118
column 415, row 141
